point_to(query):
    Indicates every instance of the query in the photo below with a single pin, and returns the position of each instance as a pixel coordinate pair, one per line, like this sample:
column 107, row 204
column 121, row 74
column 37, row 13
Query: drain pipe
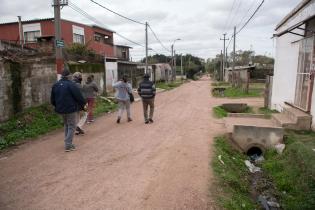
column 21, row 37
column 310, row 92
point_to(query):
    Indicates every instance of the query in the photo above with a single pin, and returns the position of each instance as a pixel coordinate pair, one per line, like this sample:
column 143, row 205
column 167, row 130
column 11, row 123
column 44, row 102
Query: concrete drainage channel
column 253, row 134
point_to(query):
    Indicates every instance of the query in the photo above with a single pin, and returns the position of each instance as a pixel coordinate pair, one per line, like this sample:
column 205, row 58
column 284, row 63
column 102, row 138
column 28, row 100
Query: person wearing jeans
column 90, row 90
column 67, row 100
column 147, row 91
column 123, row 89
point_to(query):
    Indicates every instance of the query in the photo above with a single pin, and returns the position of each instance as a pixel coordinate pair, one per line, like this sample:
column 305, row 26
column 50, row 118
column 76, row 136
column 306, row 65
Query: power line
column 129, row 40
column 226, row 21
column 135, row 21
column 85, row 14
column 235, row 14
column 158, row 39
column 251, row 17
column 251, row 6
column 82, row 12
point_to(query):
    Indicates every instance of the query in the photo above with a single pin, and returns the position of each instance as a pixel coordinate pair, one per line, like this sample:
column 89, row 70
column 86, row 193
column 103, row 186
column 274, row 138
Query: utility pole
column 223, row 66
column 233, row 65
column 221, row 72
column 172, row 60
column 181, row 66
column 146, row 47
column 174, row 66
column 21, row 33
column 58, row 48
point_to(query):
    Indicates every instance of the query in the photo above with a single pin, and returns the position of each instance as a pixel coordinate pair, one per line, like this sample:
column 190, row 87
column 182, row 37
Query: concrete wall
column 37, row 75
column 264, row 138
column 286, row 64
column 111, row 75
column 313, row 109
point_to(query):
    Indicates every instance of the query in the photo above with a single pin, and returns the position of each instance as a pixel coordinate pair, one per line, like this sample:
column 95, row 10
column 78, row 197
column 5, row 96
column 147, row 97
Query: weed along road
column 164, row 165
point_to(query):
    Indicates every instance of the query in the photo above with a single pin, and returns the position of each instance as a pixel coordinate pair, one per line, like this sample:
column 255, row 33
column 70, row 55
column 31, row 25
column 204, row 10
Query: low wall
column 247, row 137
column 87, row 69
column 25, row 84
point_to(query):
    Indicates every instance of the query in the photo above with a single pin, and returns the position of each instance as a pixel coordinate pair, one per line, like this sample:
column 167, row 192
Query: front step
column 293, row 118
column 283, row 120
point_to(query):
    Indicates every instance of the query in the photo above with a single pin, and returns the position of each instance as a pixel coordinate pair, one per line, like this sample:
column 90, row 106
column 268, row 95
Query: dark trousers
column 146, row 103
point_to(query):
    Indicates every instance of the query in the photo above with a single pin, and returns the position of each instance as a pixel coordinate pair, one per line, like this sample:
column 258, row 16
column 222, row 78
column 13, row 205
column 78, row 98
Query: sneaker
column 129, row 119
column 146, row 121
column 79, row 131
column 70, row 148
column 150, row 120
column 118, row 120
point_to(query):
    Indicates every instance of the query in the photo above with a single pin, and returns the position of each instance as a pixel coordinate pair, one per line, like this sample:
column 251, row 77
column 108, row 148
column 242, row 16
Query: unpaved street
column 164, row 165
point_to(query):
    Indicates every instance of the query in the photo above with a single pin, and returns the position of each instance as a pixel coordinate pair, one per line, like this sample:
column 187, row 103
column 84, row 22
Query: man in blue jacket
column 147, row 92
column 67, row 100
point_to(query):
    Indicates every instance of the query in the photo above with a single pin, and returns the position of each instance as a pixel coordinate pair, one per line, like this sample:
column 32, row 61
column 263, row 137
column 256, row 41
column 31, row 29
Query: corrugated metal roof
column 27, row 21
column 293, row 12
column 51, row 19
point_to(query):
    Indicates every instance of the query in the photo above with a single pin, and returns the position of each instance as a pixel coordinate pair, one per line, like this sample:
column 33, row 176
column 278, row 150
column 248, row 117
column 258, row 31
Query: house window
column 77, row 38
column 108, row 39
column 97, row 37
column 124, row 54
column 30, row 36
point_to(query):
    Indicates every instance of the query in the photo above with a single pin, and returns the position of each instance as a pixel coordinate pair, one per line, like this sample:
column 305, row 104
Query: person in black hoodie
column 146, row 91
column 67, row 100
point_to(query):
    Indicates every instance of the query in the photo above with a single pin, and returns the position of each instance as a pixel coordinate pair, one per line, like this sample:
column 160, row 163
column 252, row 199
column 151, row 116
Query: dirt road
column 164, row 165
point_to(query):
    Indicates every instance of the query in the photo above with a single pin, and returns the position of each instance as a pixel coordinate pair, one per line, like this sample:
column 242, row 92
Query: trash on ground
column 252, row 168
column 3, row 158
column 262, row 200
column 273, row 204
column 220, row 159
column 280, row 148
column 314, row 150
column 257, row 158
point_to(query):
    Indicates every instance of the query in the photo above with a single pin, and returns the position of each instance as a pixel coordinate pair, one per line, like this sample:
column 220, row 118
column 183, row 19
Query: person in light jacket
column 90, row 90
column 82, row 115
column 123, row 89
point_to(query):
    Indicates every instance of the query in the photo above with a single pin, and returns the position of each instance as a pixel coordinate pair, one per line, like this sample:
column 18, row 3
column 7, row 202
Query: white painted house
column 293, row 81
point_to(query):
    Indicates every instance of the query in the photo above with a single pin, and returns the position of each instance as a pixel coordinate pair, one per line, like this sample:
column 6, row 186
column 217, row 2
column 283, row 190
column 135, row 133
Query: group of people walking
column 75, row 101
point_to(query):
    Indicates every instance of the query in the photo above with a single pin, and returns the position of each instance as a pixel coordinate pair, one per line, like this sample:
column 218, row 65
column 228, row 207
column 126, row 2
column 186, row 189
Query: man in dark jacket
column 67, row 100
column 147, row 92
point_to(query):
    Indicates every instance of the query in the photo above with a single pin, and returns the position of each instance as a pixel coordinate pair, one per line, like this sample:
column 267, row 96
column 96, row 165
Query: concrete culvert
column 254, row 151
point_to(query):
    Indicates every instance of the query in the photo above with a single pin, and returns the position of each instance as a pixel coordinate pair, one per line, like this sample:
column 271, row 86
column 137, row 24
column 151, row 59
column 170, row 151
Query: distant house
column 122, row 52
column 293, row 81
column 98, row 38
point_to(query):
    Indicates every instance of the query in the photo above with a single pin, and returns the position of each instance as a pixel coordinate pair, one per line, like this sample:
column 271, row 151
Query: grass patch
column 240, row 93
column 168, row 86
column 29, row 124
column 293, row 172
column 103, row 106
column 36, row 121
column 219, row 112
column 255, row 90
column 266, row 111
column 232, row 177
column 220, row 84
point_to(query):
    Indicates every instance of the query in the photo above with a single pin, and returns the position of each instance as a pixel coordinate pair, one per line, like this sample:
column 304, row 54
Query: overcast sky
column 198, row 23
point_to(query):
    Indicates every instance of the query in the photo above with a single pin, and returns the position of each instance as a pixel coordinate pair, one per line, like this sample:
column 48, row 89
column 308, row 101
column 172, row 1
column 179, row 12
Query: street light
column 174, row 60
